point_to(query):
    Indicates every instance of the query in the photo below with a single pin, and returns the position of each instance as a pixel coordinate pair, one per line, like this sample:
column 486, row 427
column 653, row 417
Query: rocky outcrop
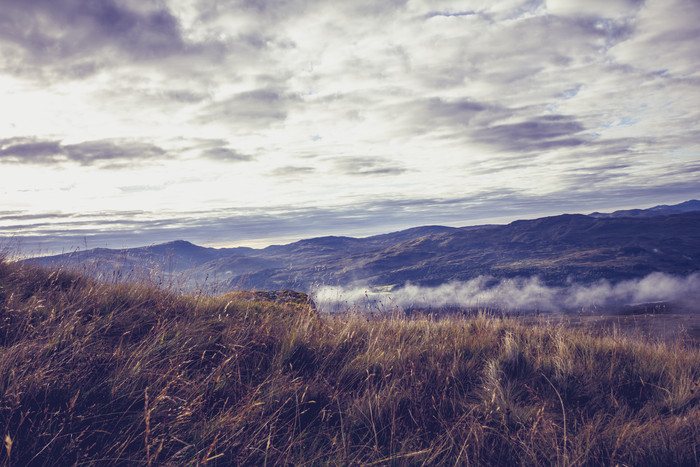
column 283, row 297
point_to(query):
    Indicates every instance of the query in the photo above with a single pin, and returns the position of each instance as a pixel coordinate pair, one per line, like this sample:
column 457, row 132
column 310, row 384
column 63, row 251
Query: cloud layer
column 323, row 106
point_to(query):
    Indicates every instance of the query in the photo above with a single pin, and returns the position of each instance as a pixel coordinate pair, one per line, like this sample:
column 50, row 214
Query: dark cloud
column 679, row 169
column 185, row 96
column 75, row 38
column 503, row 163
column 439, row 111
column 360, row 165
column 255, row 109
column 594, row 176
column 536, row 134
column 226, row 155
column 23, row 215
column 29, row 150
column 89, row 152
column 6, row 216
column 291, row 171
column 448, row 14
column 64, row 28
column 34, row 151
column 436, row 114
column 217, row 149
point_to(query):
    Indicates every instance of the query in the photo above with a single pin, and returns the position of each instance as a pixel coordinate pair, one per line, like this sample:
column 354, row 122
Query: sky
column 247, row 123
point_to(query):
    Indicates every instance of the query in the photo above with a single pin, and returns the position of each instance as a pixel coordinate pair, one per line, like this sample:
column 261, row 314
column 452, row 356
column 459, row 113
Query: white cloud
column 594, row 8
column 664, row 40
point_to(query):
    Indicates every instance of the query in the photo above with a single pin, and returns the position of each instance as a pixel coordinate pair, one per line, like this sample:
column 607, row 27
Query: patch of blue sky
column 627, row 121
column 572, row 92
column 622, row 122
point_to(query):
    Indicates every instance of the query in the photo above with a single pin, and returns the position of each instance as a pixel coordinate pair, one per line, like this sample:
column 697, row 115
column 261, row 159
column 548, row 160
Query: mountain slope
column 557, row 249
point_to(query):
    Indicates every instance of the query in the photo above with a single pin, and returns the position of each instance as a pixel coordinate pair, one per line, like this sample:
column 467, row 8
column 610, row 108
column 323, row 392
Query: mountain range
column 559, row 249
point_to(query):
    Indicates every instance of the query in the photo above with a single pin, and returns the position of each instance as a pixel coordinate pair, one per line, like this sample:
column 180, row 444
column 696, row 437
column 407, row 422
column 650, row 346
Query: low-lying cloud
column 512, row 295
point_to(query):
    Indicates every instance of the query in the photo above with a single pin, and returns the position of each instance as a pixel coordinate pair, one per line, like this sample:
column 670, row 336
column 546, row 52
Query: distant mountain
column 660, row 210
column 557, row 249
column 177, row 258
column 236, row 266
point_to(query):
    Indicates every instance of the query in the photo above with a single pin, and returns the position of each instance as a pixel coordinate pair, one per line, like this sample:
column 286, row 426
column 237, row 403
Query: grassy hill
column 105, row 374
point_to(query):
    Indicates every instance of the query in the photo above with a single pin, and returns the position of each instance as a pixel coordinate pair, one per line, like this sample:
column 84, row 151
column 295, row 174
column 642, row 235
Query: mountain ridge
column 661, row 209
column 557, row 249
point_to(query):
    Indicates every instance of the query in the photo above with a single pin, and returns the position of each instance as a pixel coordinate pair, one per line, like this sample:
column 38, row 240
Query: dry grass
column 92, row 373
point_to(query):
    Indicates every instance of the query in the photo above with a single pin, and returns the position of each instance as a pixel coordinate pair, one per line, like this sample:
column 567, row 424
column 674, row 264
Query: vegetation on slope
column 93, row 373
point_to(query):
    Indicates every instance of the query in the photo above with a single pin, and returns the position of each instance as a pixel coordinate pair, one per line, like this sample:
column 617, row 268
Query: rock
column 283, row 297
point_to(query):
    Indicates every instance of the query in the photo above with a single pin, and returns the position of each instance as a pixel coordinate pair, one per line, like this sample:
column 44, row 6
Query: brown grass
column 92, row 373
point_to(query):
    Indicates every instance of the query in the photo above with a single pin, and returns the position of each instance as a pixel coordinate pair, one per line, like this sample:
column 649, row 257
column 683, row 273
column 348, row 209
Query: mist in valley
column 516, row 295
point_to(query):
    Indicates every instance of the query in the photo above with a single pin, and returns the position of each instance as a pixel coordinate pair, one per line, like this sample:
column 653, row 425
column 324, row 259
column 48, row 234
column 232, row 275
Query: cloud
column 436, row 114
column 55, row 232
column 214, row 149
column 261, row 226
column 361, row 165
column 594, row 8
column 259, row 108
column 664, row 39
column 185, row 96
column 458, row 111
column 513, row 295
column 27, row 150
column 65, row 40
column 89, row 152
column 556, row 105
column 82, row 33
column 450, row 13
column 225, row 155
column 291, row 171
column 536, row 134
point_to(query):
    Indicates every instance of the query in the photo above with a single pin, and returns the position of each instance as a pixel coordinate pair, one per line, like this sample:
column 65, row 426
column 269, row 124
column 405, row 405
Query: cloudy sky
column 250, row 122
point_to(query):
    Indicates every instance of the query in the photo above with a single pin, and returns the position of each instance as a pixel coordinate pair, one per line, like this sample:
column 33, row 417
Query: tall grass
column 96, row 373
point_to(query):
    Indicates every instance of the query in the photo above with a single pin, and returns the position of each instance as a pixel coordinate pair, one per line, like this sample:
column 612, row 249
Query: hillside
column 93, row 373
column 554, row 248
column 559, row 250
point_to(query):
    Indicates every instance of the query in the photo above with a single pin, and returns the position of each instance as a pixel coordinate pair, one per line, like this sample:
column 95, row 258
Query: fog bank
column 511, row 295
